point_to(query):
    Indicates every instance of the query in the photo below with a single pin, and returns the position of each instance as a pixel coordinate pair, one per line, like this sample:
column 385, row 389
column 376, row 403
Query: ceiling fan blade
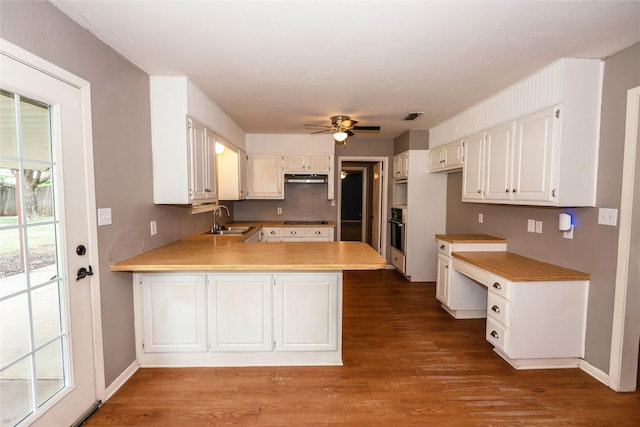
column 320, row 131
column 349, row 133
column 317, row 126
column 365, row 128
column 348, row 123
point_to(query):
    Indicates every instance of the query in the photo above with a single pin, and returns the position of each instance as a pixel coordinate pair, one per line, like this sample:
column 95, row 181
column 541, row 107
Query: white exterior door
column 51, row 352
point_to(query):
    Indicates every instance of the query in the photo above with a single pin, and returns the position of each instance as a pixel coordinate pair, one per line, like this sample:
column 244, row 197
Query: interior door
column 47, row 358
column 376, row 192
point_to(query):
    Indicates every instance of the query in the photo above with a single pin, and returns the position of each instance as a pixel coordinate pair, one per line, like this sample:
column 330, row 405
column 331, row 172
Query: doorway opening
column 362, row 201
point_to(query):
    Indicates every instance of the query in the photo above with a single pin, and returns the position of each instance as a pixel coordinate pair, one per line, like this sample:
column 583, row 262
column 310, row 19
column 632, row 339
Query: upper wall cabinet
column 535, row 143
column 401, row 166
column 307, row 163
column 447, row 158
column 232, row 174
column 265, row 176
column 183, row 147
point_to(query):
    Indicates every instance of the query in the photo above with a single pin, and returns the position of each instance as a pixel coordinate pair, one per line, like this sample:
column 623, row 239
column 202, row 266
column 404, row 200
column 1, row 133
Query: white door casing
column 69, row 96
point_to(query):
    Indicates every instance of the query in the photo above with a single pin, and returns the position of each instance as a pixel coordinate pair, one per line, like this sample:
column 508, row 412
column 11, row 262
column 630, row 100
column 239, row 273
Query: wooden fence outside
column 8, row 201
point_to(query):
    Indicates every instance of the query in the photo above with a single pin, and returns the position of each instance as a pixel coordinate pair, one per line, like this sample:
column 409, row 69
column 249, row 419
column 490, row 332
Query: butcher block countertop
column 206, row 252
column 518, row 268
column 470, row 238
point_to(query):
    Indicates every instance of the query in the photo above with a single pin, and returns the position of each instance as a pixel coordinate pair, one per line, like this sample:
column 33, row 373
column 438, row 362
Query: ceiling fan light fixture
column 340, row 136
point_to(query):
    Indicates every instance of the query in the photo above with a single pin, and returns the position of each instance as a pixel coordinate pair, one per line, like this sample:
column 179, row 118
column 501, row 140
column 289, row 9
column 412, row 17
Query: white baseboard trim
column 122, row 378
column 594, row 372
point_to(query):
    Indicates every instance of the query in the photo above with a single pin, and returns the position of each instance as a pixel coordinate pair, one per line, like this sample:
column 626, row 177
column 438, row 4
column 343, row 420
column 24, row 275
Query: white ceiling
column 274, row 66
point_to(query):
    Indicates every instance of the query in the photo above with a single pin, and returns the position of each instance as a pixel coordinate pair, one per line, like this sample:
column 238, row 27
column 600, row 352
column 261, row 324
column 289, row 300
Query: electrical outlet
column 531, row 225
column 539, row 227
column 154, row 228
column 480, row 218
column 608, row 216
column 279, row 211
column 568, row 234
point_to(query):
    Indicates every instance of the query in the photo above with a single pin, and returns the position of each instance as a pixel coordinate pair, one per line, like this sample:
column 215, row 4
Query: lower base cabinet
column 238, row 319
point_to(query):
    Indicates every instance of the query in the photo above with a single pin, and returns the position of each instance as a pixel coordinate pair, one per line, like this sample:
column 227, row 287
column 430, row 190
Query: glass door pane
column 33, row 330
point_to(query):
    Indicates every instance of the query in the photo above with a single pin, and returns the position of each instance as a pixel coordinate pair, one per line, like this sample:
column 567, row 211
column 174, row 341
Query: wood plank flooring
column 406, row 363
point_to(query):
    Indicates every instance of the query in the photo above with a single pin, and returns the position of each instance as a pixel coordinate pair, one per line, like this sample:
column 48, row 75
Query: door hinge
column 275, row 344
column 143, row 344
column 273, row 281
column 553, row 193
column 558, row 113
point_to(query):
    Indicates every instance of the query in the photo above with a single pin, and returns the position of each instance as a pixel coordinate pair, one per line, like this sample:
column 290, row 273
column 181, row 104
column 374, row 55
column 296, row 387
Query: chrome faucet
column 218, row 212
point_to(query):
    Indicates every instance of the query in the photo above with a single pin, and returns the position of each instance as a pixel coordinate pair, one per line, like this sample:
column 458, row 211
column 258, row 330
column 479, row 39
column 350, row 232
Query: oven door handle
column 398, row 223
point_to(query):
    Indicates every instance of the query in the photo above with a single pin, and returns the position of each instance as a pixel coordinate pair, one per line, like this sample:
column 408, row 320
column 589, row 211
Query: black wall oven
column 398, row 228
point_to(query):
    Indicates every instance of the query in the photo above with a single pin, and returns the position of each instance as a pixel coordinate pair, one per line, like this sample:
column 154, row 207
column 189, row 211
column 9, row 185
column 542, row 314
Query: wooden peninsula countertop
column 518, row 268
column 206, row 252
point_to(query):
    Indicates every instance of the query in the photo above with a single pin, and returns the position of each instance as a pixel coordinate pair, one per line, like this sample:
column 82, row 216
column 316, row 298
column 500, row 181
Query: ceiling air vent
column 412, row 116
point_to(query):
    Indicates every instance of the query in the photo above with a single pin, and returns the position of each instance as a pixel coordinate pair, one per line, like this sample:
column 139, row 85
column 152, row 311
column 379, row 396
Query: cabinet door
column 210, row 177
column 534, row 149
column 174, row 312
column 294, row 163
column 401, row 166
column 240, row 312
column 442, row 279
column 472, row 172
column 198, row 161
column 497, row 164
column 242, row 174
column 452, row 155
column 436, row 159
column 318, row 163
column 307, row 310
column 265, row 177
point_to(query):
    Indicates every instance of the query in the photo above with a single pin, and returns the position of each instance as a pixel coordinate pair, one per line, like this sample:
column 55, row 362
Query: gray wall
column 122, row 158
column 594, row 247
column 411, row 140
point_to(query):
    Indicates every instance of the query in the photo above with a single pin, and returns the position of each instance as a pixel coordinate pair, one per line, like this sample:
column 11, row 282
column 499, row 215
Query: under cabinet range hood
column 292, row 178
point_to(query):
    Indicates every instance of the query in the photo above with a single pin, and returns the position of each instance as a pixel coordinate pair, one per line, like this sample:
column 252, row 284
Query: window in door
column 33, row 354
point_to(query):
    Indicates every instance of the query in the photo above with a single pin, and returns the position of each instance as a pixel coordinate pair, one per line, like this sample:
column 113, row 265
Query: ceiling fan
column 342, row 128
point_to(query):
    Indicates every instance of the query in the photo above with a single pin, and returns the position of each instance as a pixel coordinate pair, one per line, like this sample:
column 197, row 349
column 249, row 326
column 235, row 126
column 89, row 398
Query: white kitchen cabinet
column 240, row 312
column 174, row 319
column 460, row 296
column 183, row 148
column 265, row 177
column 398, row 260
column 530, row 329
column 447, row 157
column 473, row 170
column 401, row 165
column 306, row 311
column 307, row 163
column 298, row 234
column 498, row 163
column 232, row 174
column 239, row 318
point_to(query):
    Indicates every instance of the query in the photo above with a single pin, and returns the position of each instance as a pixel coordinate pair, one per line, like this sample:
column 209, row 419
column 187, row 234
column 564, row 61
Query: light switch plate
column 539, row 227
column 608, row 216
column 154, row 228
column 480, row 218
column 531, row 226
column 104, row 216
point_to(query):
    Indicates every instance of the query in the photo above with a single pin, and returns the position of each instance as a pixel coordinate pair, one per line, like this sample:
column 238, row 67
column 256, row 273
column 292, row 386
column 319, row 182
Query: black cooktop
column 305, row 223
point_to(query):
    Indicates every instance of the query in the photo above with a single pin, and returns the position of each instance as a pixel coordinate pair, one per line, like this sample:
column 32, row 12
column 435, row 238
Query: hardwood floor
column 406, row 363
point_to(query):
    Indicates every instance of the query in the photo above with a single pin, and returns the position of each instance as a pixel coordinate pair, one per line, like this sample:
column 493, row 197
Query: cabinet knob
column 293, row 232
column 442, row 247
column 318, row 233
column 479, row 191
column 497, row 285
column 495, row 308
column 495, row 335
column 273, row 232
column 515, row 190
column 506, row 191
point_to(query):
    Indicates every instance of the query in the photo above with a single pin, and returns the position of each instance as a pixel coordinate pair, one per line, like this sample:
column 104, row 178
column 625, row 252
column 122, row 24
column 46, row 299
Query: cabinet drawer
column 500, row 286
column 444, row 247
column 291, row 232
column 398, row 260
column 498, row 308
column 497, row 334
column 319, row 232
column 268, row 232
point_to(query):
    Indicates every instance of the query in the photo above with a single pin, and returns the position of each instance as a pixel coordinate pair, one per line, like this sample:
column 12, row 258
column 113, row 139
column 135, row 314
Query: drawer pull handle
column 442, row 247
column 495, row 308
column 273, row 232
column 497, row 286
column 318, row 233
column 495, row 335
column 293, row 232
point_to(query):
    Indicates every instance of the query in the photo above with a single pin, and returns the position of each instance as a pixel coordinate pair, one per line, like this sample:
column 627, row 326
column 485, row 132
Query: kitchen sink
column 238, row 231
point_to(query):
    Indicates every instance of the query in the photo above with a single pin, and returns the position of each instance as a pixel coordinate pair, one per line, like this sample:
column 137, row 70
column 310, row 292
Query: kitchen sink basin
column 238, row 231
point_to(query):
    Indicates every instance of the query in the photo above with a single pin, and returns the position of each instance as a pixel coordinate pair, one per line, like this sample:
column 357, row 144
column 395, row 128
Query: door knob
column 83, row 272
